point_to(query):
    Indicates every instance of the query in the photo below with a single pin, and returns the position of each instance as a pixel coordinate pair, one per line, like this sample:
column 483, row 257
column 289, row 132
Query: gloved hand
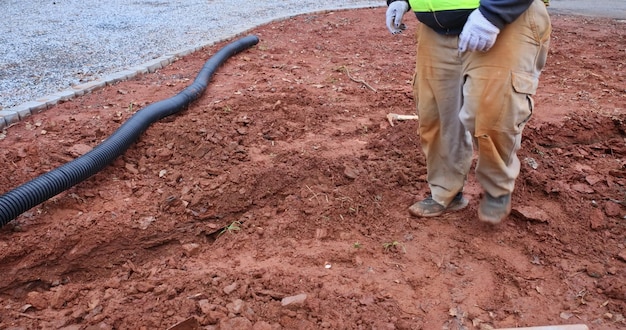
column 478, row 33
column 395, row 11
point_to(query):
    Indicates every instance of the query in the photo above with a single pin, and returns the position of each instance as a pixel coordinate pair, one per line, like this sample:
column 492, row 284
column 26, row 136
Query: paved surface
column 234, row 9
column 599, row 8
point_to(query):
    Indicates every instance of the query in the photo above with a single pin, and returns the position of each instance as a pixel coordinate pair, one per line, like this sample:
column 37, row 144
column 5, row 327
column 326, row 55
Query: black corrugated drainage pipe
column 48, row 185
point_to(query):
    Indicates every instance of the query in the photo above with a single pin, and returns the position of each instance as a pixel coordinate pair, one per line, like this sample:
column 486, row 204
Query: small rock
column 593, row 179
column 205, row 306
column 351, row 173
column 145, row 222
column 531, row 162
column 113, row 283
column 230, row 288
column 294, row 300
column 596, row 219
column 160, row 289
column 191, row 249
column 79, row 149
column 367, row 300
column 132, row 168
column 595, row 270
column 236, row 323
column 612, row 209
column 236, row 306
column 531, row 213
column 583, row 188
column 144, row 287
column 60, row 296
column 37, row 300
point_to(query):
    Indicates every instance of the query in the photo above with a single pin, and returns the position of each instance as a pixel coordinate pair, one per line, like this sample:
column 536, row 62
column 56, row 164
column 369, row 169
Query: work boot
column 429, row 208
column 494, row 209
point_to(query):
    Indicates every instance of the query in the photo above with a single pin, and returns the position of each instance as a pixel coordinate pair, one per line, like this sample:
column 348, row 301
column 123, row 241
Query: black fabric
column 448, row 22
column 502, row 12
column 390, row 1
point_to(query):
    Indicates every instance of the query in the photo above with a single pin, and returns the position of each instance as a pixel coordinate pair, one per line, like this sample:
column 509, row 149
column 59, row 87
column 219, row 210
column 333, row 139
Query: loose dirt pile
column 279, row 199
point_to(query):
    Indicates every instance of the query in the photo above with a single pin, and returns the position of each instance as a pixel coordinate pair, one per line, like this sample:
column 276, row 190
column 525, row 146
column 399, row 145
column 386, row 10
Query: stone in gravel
column 213, row 317
column 191, row 249
column 37, row 300
column 583, row 188
column 61, row 295
column 237, row 323
column 79, row 149
column 593, row 179
column 205, row 306
column 612, row 209
column 294, row 300
column 596, row 219
column 114, row 283
column 230, row 288
column 236, row 306
column 595, row 270
column 144, row 287
column 531, row 213
column 351, row 172
column 160, row 289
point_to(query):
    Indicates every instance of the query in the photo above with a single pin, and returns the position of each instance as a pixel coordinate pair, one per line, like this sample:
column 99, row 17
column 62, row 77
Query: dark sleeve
column 502, row 12
column 390, row 1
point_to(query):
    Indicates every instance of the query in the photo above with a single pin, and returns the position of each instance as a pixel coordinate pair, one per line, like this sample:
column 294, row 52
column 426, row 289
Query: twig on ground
column 343, row 68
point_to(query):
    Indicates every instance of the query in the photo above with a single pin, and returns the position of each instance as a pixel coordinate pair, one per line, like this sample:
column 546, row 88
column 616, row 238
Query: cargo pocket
column 525, row 85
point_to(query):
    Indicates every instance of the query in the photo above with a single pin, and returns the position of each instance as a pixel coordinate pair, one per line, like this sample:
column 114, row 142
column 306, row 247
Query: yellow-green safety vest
column 438, row 5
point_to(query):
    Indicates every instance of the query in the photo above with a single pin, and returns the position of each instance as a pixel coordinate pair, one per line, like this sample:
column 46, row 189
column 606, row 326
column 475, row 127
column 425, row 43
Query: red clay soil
column 279, row 199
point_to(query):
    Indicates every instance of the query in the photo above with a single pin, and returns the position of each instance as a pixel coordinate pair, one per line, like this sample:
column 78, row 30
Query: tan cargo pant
column 478, row 98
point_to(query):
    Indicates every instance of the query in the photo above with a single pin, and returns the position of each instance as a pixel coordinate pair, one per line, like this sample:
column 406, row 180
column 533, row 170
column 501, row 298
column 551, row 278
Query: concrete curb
column 16, row 114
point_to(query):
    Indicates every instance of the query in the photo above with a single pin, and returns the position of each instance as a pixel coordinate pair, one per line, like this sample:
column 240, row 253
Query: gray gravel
column 48, row 46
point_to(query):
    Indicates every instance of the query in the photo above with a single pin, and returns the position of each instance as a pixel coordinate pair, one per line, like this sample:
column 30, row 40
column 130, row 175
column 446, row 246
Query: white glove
column 478, row 33
column 395, row 11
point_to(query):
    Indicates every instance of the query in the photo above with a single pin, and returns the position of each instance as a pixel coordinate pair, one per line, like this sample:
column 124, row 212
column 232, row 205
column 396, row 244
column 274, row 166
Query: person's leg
column 446, row 143
column 497, row 104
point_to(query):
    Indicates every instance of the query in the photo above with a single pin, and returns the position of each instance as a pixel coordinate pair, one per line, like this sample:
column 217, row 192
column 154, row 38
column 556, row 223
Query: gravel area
column 49, row 46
